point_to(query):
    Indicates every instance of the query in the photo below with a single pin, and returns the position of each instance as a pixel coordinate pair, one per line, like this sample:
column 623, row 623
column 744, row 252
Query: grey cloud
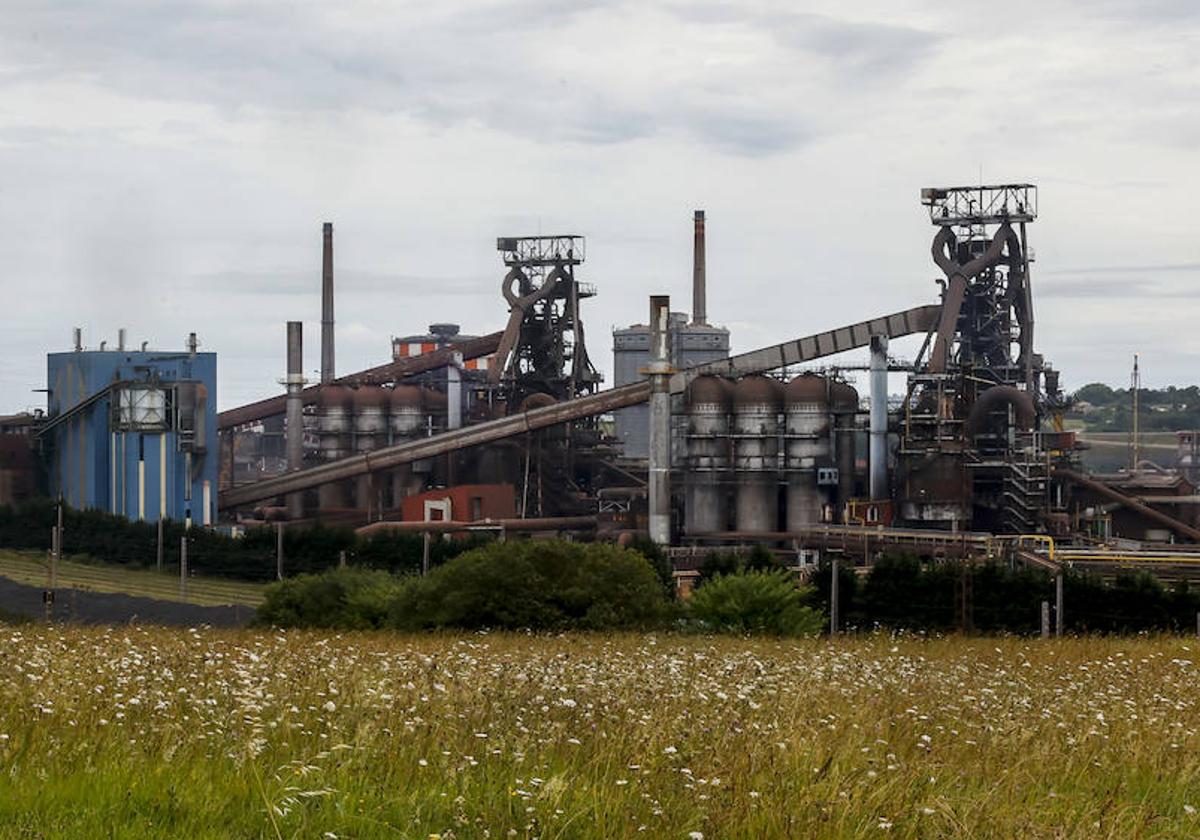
column 474, row 64
column 872, row 50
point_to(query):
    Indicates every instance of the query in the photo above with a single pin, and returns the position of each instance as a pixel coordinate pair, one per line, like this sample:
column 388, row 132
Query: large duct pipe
column 659, row 373
column 295, row 410
column 879, row 418
column 699, row 278
column 327, row 305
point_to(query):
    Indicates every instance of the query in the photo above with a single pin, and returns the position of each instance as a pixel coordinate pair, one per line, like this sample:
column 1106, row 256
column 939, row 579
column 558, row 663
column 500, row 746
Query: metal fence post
column 183, row 566
column 1059, row 624
column 1045, row 619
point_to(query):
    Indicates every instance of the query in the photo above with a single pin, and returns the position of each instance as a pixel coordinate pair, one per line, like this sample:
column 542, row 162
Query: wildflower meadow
column 144, row 732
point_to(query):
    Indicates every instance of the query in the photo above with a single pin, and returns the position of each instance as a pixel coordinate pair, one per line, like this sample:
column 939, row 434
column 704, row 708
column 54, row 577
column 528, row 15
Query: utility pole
column 1135, row 385
column 278, row 551
column 833, row 596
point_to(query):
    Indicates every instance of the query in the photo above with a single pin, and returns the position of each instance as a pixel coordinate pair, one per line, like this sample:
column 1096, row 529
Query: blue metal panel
column 96, row 465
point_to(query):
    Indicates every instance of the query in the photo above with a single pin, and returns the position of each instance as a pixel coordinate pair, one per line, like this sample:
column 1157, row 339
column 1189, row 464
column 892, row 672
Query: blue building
column 134, row 432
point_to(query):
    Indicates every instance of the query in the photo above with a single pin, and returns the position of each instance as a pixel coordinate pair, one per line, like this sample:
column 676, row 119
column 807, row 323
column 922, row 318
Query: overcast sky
column 167, row 166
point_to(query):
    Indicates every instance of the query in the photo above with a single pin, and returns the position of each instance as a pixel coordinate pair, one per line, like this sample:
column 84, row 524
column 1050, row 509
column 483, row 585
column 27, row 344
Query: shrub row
column 116, row 539
column 539, row 585
column 903, row 592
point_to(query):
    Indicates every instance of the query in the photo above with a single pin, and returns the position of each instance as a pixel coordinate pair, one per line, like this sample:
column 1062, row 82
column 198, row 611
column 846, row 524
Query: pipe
column 993, row 398
column 879, row 418
column 327, row 304
column 295, row 410
column 659, row 373
column 699, row 273
column 1183, row 529
column 545, row 523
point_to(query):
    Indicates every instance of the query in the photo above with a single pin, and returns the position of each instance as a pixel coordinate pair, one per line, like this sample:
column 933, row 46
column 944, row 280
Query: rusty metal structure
column 969, row 453
column 542, row 349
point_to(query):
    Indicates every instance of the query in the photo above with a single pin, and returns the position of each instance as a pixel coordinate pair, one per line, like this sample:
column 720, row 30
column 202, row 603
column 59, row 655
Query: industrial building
column 133, row 432
column 693, row 342
column 511, row 429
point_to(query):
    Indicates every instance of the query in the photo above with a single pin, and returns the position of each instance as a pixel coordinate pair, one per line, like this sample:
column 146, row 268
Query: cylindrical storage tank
column 334, row 418
column 843, row 401
column 806, row 412
column 756, row 454
column 370, row 433
column 707, row 401
column 406, row 421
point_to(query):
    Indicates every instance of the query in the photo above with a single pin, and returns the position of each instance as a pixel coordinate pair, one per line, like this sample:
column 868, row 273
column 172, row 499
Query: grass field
column 133, row 733
column 29, row 567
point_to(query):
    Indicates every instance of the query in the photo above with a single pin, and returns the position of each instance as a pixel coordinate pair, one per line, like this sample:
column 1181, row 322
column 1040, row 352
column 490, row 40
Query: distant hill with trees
column 1101, row 408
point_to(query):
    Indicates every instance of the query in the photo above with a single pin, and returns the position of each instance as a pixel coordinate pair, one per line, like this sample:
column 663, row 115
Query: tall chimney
column 699, row 311
column 295, row 411
column 327, row 306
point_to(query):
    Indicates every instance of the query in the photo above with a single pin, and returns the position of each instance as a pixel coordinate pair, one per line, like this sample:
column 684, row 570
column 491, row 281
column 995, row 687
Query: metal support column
column 879, row 418
column 659, row 372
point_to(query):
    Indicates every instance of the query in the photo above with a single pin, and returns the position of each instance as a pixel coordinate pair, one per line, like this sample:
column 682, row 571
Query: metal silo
column 755, row 453
column 370, row 433
column 707, row 402
column 843, row 401
column 334, row 415
column 406, row 421
column 806, row 408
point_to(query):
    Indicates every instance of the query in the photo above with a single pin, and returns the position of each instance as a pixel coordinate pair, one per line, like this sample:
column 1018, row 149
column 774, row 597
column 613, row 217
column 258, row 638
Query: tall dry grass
column 163, row 733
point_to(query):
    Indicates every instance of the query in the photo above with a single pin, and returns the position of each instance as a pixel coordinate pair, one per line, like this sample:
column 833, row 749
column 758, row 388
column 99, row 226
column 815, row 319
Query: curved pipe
column 958, row 274
column 518, row 306
column 995, row 397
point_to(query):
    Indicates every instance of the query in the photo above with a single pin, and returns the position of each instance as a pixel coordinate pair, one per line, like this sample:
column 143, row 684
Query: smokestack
column 295, row 410
column 78, row 339
column 699, row 312
column 659, row 372
column 121, row 339
column 327, row 306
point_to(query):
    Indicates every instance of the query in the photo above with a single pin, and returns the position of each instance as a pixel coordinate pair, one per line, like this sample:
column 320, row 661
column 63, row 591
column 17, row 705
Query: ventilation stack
column 295, row 411
column 327, row 305
column 699, row 272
